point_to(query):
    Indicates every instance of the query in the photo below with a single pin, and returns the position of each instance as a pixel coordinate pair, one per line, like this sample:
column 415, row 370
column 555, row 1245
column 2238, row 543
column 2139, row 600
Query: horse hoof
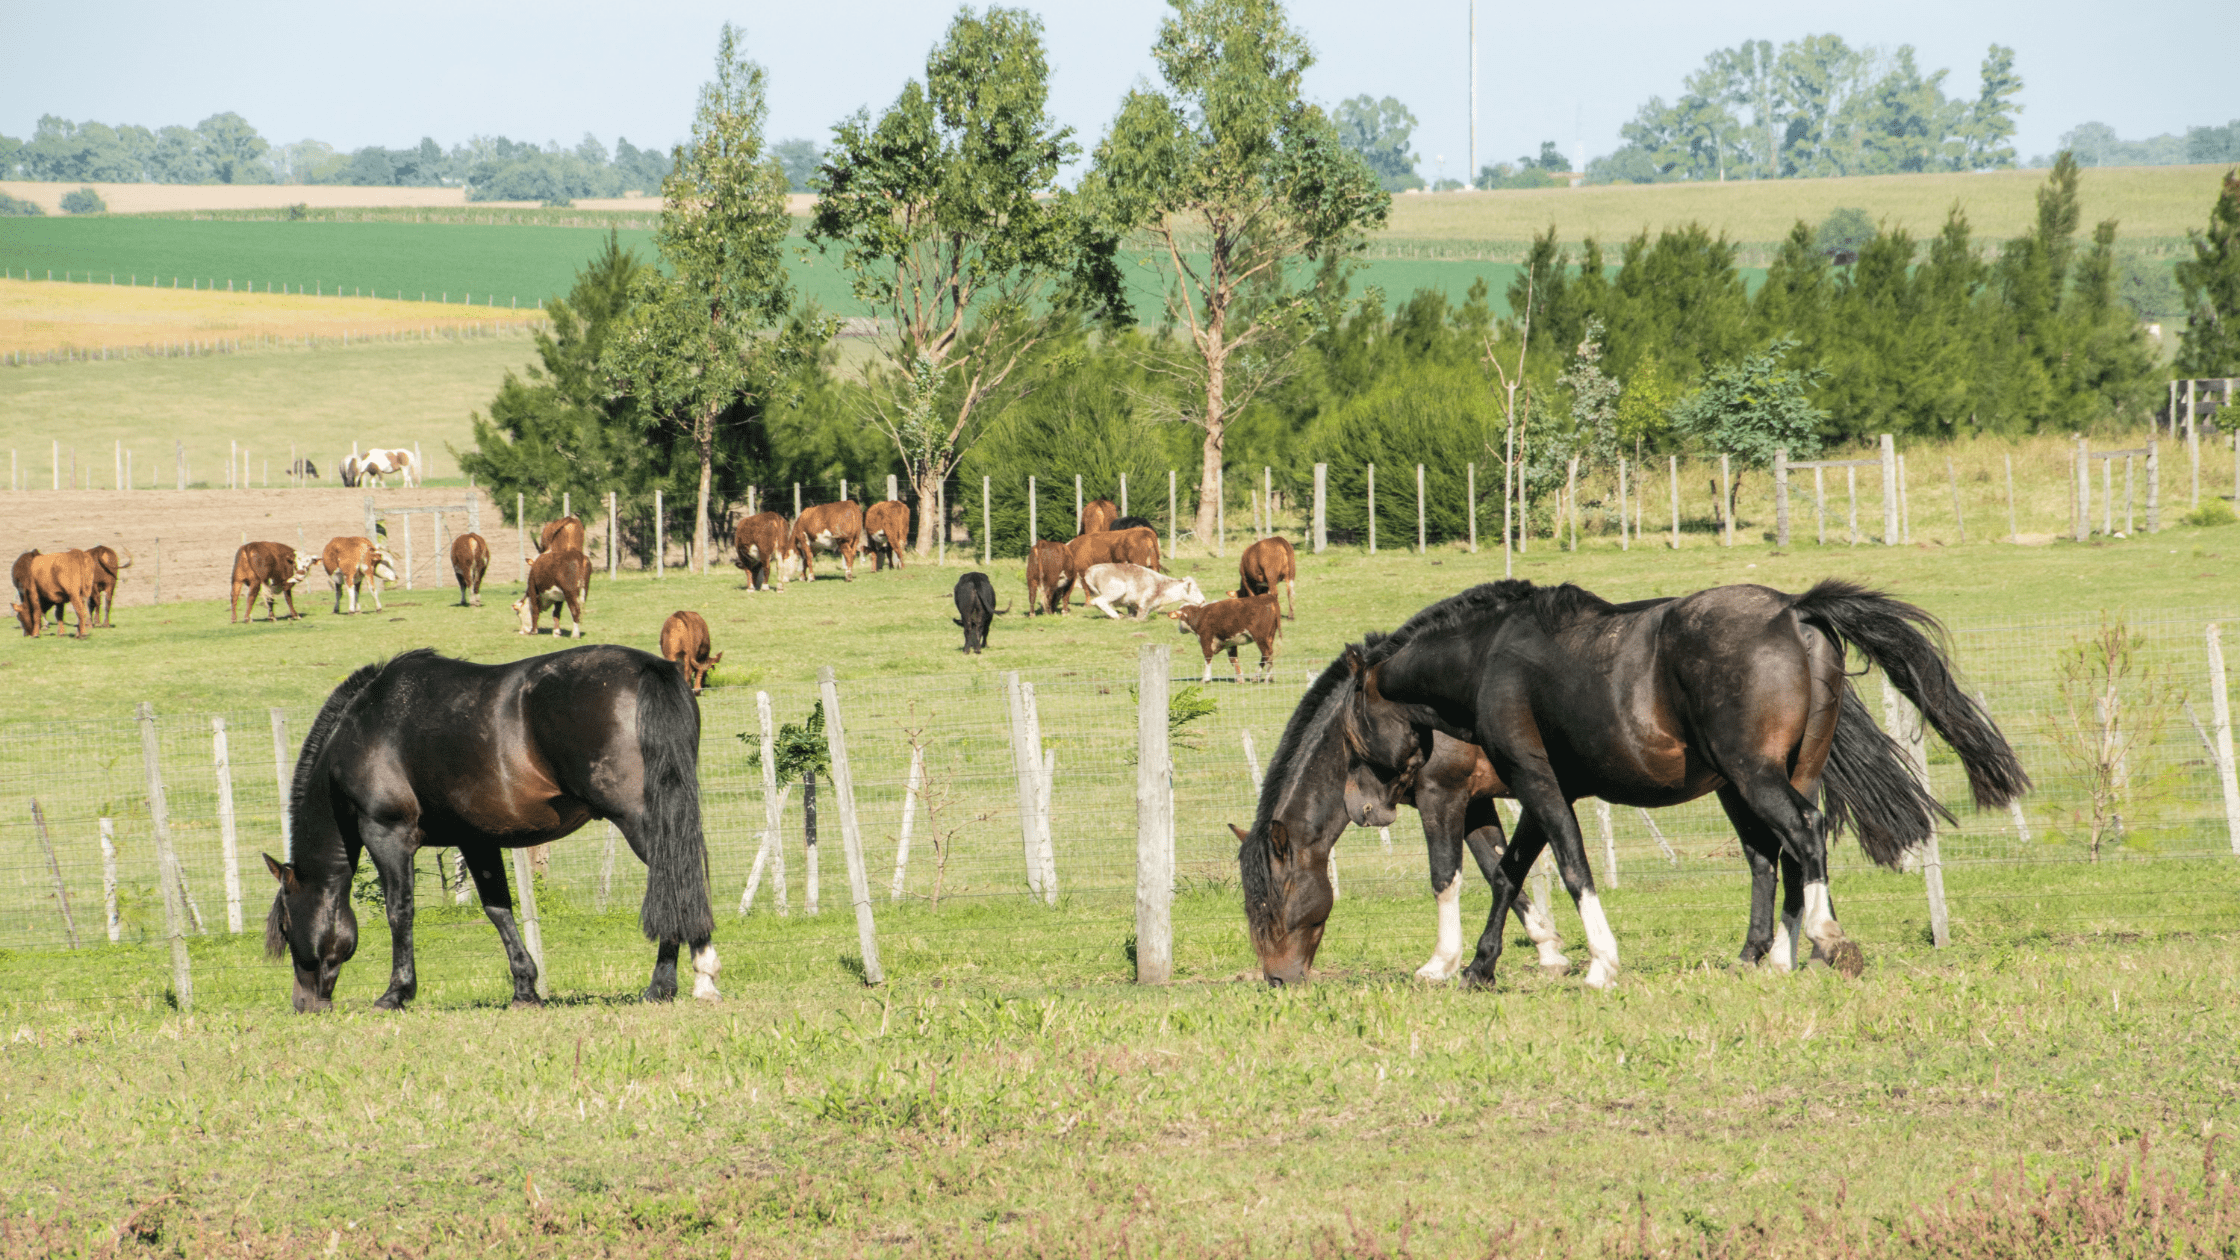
column 1601, row 975
column 1473, row 981
column 528, row 1003
column 1850, row 960
column 1436, row 973
column 1554, row 969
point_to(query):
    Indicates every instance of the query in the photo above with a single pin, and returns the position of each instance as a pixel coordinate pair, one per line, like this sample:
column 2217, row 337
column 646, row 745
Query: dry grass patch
column 37, row 316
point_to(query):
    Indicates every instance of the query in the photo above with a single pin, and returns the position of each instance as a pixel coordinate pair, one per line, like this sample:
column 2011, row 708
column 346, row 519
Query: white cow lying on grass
column 1137, row 587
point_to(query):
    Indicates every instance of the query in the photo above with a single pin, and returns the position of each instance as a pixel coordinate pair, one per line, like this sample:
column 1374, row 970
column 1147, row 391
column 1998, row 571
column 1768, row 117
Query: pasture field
column 124, row 320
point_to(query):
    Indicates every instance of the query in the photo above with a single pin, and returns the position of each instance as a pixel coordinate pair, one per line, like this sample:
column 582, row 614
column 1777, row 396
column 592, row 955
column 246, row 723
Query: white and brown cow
column 1109, row 585
column 556, row 578
column 684, row 643
column 381, row 464
column 354, row 562
column 470, row 559
column 1232, row 623
column 273, row 568
column 834, row 527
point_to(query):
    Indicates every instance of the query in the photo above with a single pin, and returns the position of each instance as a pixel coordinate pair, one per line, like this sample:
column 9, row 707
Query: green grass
column 1008, row 1093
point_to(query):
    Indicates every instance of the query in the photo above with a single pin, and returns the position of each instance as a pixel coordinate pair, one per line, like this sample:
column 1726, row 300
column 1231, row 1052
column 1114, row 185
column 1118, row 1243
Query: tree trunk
column 1209, row 467
column 704, row 434
column 928, row 484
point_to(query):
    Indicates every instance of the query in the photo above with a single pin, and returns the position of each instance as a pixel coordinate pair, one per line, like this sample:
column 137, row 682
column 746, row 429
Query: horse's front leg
column 1443, row 826
column 392, row 854
column 1537, row 789
column 486, row 863
column 1504, row 871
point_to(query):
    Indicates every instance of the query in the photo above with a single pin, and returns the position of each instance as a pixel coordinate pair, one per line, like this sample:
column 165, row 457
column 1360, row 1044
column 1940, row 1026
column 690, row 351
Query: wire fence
column 2136, row 728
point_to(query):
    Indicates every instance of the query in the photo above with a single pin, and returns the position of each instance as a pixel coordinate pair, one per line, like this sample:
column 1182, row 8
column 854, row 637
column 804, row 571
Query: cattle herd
column 1113, row 563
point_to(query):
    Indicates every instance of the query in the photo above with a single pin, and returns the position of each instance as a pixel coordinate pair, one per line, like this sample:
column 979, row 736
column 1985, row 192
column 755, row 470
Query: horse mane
column 322, row 729
column 1552, row 607
column 1310, row 718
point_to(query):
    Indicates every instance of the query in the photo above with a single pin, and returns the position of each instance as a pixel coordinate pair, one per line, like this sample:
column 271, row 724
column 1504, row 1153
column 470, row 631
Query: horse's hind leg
column 1538, row 923
column 1506, row 874
column 486, row 863
column 1803, row 832
column 1760, row 847
column 664, row 985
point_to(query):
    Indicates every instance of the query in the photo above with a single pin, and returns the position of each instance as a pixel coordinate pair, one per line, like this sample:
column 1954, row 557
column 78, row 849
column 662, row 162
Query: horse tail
column 1870, row 789
column 676, row 907
column 1896, row 637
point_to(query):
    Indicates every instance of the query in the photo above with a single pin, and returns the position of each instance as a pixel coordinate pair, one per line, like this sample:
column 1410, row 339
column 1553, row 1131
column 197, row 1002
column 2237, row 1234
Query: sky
column 353, row 76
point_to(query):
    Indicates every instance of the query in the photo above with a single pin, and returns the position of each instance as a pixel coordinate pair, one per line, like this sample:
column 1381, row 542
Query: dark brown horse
column 429, row 752
column 1736, row 690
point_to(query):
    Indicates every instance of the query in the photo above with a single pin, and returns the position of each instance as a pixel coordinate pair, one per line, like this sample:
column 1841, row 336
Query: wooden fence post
column 1154, row 820
column 1903, row 722
column 1123, row 494
column 525, row 902
column 892, row 496
column 1419, row 511
column 1625, row 522
column 773, row 807
column 1675, row 473
column 229, row 851
column 910, row 789
column 1034, row 522
column 167, row 863
column 521, row 531
column 54, row 866
column 614, row 535
column 1321, row 537
column 1372, row 509
column 2193, row 444
column 1251, row 760
column 1470, row 492
column 1953, row 479
column 987, row 519
column 606, row 868
column 1781, row 496
column 851, row 838
column 2014, row 530
column 2154, row 487
column 1889, row 490
column 1026, row 768
column 2220, row 715
column 1077, row 504
column 2080, row 501
column 1609, row 841
column 282, row 778
column 1726, row 498
column 1571, row 498
column 661, row 534
column 109, row 878
column 1171, row 525
column 1046, row 771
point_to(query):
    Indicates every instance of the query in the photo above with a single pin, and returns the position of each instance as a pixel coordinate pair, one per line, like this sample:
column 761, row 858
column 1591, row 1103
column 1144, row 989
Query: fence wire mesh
column 2146, row 735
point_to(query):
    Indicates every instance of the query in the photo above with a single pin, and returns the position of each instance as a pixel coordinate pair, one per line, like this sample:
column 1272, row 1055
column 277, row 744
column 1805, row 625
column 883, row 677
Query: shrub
column 2212, row 512
column 17, row 207
column 83, row 201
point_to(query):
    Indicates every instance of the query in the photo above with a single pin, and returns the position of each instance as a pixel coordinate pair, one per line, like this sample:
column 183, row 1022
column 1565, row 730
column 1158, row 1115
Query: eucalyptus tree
column 707, row 337
column 1231, row 175
column 953, row 230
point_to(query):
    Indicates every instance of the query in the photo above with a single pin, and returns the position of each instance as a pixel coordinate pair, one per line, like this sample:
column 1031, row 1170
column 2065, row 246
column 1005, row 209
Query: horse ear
column 1355, row 665
column 1242, row 835
column 284, row 873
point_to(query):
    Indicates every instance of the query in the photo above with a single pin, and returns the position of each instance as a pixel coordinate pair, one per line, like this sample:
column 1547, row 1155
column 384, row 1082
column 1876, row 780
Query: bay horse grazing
column 424, row 751
column 1737, row 690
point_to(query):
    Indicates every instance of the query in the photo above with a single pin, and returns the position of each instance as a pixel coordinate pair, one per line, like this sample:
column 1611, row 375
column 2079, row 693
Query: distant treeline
column 226, row 149
column 2096, row 144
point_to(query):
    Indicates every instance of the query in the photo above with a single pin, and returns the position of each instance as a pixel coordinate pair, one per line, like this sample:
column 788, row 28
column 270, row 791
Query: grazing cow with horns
column 354, row 563
column 270, row 567
column 886, row 526
column 51, row 581
column 1049, row 580
column 555, row 578
column 835, row 527
column 975, row 597
column 761, row 542
column 1232, row 623
column 684, row 642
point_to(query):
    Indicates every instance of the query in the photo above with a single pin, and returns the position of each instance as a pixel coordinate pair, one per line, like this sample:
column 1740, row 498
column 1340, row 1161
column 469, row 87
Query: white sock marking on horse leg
column 705, row 965
column 1601, row 944
column 1540, row 928
column 1820, row 924
column 1783, row 955
column 1447, row 958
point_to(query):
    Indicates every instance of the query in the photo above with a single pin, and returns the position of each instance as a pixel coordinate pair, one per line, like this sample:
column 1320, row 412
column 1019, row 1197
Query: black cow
column 304, row 468
column 976, row 609
column 1132, row 522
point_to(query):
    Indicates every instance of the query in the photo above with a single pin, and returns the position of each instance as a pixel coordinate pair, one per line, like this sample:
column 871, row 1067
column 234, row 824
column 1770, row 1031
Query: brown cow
column 1265, row 563
column 565, row 534
column 555, row 578
column 1049, row 580
column 835, row 527
column 1232, row 623
column 470, row 559
column 886, row 527
column 684, row 642
column 53, row 581
column 107, row 565
column 1122, row 546
column 1098, row 516
column 272, row 568
column 355, row 562
column 760, row 540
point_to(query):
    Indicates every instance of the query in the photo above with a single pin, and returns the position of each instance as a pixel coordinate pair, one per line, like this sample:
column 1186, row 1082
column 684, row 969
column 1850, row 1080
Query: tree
column 1990, row 121
column 235, row 150
column 693, row 346
column 2211, row 280
column 1233, row 175
column 1754, row 407
column 953, row 229
column 800, row 158
column 1379, row 132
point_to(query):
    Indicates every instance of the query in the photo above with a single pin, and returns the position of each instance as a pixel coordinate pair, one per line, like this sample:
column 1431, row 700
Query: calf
column 1128, row 546
column 353, row 563
column 555, row 578
column 1232, row 623
column 107, row 566
column 565, row 534
column 886, row 527
column 470, row 559
column 44, row 581
column 1049, row 579
column 976, row 609
column 761, row 540
column 684, row 642
column 1134, row 585
column 1098, row 516
column 1265, row 563
column 272, row 568
column 835, row 527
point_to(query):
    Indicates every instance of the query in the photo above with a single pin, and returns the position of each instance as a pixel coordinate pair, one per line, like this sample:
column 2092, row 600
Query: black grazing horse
column 426, row 751
column 1284, row 859
column 1737, row 690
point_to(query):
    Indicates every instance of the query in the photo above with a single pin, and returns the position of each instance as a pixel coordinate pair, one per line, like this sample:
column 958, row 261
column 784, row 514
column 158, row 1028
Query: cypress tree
column 2211, row 280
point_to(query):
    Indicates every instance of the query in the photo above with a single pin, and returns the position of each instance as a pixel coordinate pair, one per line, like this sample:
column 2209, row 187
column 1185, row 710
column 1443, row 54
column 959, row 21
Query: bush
column 83, row 201
column 17, row 207
column 2212, row 512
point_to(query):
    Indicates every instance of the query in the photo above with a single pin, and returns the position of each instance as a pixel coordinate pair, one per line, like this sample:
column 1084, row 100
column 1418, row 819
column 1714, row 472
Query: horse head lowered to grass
column 1737, row 690
column 423, row 751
